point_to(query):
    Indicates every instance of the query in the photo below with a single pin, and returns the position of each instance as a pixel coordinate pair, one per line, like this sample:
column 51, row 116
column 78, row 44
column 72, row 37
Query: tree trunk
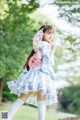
column 1, row 87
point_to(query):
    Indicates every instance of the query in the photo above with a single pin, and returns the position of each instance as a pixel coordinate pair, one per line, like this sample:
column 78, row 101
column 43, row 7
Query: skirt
column 34, row 80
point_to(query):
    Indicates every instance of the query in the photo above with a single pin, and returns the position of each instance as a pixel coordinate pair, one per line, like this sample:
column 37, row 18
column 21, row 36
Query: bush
column 7, row 95
column 70, row 99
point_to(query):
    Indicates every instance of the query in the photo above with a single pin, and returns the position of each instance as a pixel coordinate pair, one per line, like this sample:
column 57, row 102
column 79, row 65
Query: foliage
column 17, row 28
column 16, row 32
column 15, row 35
column 68, row 11
column 7, row 96
column 18, row 23
column 70, row 99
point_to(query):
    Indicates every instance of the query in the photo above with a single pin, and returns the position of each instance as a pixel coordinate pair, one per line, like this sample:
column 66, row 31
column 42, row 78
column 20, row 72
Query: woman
column 38, row 74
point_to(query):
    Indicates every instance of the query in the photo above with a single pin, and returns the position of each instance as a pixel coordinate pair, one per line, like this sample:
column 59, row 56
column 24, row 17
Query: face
column 48, row 35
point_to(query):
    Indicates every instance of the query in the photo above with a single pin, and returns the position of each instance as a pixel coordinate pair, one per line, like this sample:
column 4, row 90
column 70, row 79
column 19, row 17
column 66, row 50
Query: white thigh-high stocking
column 41, row 110
column 14, row 108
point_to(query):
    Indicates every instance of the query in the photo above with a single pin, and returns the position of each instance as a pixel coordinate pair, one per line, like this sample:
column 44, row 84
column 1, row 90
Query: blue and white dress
column 40, row 78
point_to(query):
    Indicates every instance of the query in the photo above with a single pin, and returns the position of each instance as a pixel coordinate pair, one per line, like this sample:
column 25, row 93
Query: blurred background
column 19, row 21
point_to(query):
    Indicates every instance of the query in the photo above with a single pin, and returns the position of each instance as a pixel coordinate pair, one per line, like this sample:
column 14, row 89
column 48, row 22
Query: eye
column 48, row 32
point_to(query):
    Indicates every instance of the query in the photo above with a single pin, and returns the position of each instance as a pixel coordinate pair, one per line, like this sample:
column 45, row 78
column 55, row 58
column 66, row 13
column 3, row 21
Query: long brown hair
column 30, row 55
column 45, row 27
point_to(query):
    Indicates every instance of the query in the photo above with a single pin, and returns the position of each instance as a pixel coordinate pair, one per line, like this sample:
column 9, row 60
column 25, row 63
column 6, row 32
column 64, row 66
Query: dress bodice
column 47, row 58
column 46, row 52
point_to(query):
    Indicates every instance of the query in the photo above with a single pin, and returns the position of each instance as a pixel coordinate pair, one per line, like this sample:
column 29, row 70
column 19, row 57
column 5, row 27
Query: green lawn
column 30, row 113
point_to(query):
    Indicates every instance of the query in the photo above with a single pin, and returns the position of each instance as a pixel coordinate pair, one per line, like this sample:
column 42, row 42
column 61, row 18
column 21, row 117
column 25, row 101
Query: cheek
column 48, row 37
column 44, row 37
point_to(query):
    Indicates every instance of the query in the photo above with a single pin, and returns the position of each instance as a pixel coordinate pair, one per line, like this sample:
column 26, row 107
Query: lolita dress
column 41, row 75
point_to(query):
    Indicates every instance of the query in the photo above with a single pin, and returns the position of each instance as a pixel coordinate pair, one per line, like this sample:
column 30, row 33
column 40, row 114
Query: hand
column 52, row 47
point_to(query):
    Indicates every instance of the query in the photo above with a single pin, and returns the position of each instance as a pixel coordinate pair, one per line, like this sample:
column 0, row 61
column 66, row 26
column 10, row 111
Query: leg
column 17, row 104
column 41, row 105
column 24, row 96
column 40, row 96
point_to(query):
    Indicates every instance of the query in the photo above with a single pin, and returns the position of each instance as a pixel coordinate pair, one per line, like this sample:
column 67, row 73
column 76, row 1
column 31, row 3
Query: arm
column 53, row 47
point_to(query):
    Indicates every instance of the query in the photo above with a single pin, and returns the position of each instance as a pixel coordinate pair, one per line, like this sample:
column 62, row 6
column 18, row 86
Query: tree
column 14, row 16
column 70, row 99
column 69, row 11
column 1, row 87
column 17, row 28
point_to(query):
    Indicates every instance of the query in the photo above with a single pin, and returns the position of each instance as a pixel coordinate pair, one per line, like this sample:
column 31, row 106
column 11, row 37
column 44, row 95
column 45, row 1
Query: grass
column 30, row 113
